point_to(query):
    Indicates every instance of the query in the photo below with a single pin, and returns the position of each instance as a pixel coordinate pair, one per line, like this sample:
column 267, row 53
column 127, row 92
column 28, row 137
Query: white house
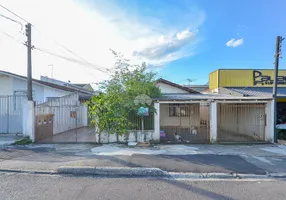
column 13, row 99
column 13, row 84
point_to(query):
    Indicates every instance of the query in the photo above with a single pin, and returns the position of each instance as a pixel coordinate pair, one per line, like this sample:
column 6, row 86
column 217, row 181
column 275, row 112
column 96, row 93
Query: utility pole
column 277, row 56
column 29, row 61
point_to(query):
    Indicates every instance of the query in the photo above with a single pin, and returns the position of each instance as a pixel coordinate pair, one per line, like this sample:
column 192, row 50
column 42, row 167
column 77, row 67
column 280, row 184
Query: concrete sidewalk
column 243, row 159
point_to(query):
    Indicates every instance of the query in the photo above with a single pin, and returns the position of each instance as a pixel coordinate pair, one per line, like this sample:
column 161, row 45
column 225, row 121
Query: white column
column 29, row 119
column 156, row 135
column 269, row 131
column 213, row 122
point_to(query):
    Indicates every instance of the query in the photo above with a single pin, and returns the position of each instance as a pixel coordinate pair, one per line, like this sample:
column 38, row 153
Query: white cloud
column 90, row 31
column 167, row 49
column 234, row 42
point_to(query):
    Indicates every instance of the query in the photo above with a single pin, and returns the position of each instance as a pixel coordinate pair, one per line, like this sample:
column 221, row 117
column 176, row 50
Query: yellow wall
column 281, row 100
column 213, row 80
column 243, row 78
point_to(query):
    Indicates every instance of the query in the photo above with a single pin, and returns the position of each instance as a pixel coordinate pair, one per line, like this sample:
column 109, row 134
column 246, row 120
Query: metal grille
column 70, row 121
column 241, row 122
column 136, row 121
column 11, row 114
column 184, row 123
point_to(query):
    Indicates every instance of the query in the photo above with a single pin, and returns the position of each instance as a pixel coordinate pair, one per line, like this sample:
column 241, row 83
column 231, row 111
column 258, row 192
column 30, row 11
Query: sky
column 182, row 40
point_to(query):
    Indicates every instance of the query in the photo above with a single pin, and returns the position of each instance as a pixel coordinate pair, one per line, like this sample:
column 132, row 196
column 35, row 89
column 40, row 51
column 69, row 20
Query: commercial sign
column 262, row 79
column 246, row 78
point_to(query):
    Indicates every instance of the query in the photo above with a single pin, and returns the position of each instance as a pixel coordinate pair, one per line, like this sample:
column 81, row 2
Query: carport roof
column 196, row 97
column 258, row 91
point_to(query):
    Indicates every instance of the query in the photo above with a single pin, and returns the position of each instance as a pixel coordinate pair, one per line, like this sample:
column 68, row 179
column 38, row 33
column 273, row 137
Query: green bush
column 281, row 134
column 25, row 140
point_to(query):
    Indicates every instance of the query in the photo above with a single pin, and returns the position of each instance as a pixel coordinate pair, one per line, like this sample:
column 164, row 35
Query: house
column 14, row 85
column 84, row 86
column 13, row 99
column 188, row 116
column 168, row 87
column 198, row 88
column 185, row 115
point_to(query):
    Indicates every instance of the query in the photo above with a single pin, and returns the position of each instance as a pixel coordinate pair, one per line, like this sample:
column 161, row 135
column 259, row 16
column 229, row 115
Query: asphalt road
column 28, row 186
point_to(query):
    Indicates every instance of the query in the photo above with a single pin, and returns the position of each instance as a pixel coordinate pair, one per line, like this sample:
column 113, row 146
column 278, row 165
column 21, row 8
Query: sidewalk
column 244, row 159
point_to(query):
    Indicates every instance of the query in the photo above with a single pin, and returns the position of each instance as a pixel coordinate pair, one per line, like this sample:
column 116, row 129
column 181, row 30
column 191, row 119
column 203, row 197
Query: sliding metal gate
column 241, row 122
column 11, row 114
column 184, row 123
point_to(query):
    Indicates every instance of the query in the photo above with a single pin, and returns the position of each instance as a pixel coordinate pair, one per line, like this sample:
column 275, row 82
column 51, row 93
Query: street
column 30, row 186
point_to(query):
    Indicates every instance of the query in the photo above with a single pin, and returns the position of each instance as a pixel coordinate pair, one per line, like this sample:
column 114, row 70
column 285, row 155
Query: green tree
column 110, row 109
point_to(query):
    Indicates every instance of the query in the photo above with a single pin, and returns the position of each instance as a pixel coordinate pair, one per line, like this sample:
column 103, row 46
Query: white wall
column 165, row 89
column 40, row 92
column 21, row 85
column 6, row 85
column 50, row 92
column 192, row 118
column 130, row 137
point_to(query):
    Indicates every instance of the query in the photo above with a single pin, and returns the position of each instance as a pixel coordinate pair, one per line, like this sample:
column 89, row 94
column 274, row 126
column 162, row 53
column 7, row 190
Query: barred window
column 177, row 110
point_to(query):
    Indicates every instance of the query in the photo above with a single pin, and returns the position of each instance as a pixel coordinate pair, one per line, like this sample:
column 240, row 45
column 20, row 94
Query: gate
column 11, row 114
column 185, row 123
column 70, row 121
column 241, row 122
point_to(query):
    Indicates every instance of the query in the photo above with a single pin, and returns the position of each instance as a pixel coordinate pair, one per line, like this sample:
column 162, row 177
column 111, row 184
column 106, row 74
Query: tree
column 111, row 108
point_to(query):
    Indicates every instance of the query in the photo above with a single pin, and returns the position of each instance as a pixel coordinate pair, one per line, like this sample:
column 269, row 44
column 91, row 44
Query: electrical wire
column 13, row 20
column 85, row 62
column 12, row 37
column 73, row 53
column 72, row 60
column 13, row 13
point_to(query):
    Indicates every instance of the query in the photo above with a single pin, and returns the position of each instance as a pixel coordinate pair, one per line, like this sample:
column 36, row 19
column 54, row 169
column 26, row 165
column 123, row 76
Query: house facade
column 13, row 100
column 16, row 85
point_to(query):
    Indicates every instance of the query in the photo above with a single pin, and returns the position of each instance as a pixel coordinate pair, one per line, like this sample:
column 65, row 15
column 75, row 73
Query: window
column 177, row 110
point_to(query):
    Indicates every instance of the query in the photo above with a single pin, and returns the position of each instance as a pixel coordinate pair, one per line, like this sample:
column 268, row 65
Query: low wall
column 129, row 137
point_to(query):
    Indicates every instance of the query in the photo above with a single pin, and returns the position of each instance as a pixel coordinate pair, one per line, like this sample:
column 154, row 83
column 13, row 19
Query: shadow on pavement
column 197, row 190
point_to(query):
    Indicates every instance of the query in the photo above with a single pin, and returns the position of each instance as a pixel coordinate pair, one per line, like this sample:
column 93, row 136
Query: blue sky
column 180, row 39
column 257, row 22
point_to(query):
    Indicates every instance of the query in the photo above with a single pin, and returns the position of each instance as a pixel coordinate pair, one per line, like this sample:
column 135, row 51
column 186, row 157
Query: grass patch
column 25, row 140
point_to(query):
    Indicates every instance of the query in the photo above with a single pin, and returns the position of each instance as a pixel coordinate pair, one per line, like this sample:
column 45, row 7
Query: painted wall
column 20, row 85
column 130, row 137
column 192, row 118
column 40, row 92
column 247, row 77
column 168, row 89
column 50, row 92
column 6, row 85
column 213, row 80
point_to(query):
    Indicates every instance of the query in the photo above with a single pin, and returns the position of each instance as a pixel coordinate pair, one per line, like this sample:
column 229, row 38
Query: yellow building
column 250, row 82
column 245, row 78
column 247, row 82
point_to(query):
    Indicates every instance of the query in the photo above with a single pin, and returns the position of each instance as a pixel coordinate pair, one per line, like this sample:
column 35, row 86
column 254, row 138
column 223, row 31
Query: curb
column 28, row 171
column 156, row 172
column 113, row 171
column 142, row 172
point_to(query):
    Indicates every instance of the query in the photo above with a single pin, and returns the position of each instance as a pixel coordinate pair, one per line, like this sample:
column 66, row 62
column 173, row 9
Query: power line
column 13, row 20
column 12, row 37
column 64, row 47
column 13, row 13
column 72, row 52
column 72, row 60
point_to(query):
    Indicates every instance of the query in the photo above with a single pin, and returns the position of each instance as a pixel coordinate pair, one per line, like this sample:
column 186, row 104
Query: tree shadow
column 197, row 190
